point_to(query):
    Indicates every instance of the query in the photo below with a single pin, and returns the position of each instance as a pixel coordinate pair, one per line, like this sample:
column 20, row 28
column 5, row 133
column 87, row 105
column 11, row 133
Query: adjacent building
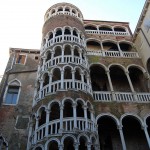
column 87, row 88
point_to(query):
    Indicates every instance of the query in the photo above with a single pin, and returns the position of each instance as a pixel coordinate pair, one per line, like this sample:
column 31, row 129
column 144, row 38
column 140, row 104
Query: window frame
column 17, row 57
column 6, row 92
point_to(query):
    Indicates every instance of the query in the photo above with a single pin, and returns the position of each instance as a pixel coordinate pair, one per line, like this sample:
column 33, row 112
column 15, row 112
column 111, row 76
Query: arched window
column 67, row 32
column 50, row 36
column 58, row 32
column 56, row 75
column 45, row 79
column 80, row 111
column 55, row 111
column 68, row 109
column 69, row 143
column 67, row 73
column 12, row 92
column 48, row 56
column 42, row 116
column 53, row 145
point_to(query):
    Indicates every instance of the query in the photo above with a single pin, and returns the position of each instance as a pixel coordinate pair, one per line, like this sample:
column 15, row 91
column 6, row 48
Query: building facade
column 87, row 88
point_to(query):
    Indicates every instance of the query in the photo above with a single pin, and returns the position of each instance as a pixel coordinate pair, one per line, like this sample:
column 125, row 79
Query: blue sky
column 22, row 20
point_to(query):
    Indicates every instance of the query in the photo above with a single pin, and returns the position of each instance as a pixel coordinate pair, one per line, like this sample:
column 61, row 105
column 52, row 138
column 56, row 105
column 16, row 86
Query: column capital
column 126, row 72
column 84, row 107
column 119, row 127
column 74, row 105
column 61, row 107
column 48, row 111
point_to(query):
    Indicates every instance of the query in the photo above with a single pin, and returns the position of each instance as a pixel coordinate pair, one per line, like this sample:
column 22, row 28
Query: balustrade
column 66, row 59
column 67, row 84
column 65, row 13
column 113, row 54
column 68, row 127
column 61, row 38
column 117, row 33
column 121, row 97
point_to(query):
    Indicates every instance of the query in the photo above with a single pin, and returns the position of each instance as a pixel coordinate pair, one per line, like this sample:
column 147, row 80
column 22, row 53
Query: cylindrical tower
column 63, row 115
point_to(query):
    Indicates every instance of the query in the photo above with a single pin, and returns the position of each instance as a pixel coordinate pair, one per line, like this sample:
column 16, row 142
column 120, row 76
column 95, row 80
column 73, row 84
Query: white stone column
column 131, row 86
column 147, row 135
column 44, row 61
column 110, row 84
column 62, row 58
column 73, row 79
column 76, row 146
column 61, row 147
column 36, row 127
column 89, row 146
column 61, row 118
column 82, row 80
column 75, row 115
column 92, row 118
column 79, row 37
column 63, row 35
column 52, row 57
column 121, row 54
column 62, row 79
column 47, row 121
column 41, row 86
column 54, row 33
column 122, row 138
column 50, row 82
column 72, row 54
column 85, row 116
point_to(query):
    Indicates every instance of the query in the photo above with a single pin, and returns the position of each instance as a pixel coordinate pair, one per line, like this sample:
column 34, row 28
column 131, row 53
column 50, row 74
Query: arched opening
column 73, row 11
column 56, row 75
column 110, row 46
column 76, row 52
column 148, row 125
column 48, row 56
column 42, row 116
column 105, row 28
column 77, row 74
column 68, row 109
column 119, row 29
column 75, row 33
column 58, row 32
column 67, row 32
column 57, row 51
column 50, row 36
column 119, row 79
column 67, row 73
column 53, row 145
column 69, row 143
column 148, row 65
column 93, row 45
column 93, row 143
column 125, row 47
column 109, row 137
column 133, row 134
column 60, row 9
column 83, row 143
column 67, row 50
column 38, row 148
column 67, row 9
column 38, row 86
column 53, row 11
column 138, row 80
column 99, row 78
column 89, row 110
column 79, row 108
column 55, row 111
column 45, row 79
column 85, row 77
column 89, row 27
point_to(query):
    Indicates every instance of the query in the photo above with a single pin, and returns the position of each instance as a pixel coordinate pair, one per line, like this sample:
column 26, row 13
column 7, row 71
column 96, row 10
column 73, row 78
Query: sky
column 21, row 21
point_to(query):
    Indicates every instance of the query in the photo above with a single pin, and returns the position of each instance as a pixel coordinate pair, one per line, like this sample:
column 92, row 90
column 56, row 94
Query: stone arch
column 84, row 135
column 105, row 27
column 132, row 126
column 58, row 31
column 51, row 103
column 139, row 82
column 99, row 78
column 68, row 135
column 119, row 28
column 15, row 82
column 90, row 27
column 38, row 146
column 51, row 140
column 109, row 115
column 101, row 65
column 38, row 111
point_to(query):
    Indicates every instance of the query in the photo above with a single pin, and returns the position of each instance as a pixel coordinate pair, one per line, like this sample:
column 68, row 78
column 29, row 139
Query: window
column 12, row 95
column 20, row 59
column 36, row 58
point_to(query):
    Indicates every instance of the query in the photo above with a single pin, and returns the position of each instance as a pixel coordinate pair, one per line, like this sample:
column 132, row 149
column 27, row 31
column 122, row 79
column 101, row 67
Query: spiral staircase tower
column 63, row 115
